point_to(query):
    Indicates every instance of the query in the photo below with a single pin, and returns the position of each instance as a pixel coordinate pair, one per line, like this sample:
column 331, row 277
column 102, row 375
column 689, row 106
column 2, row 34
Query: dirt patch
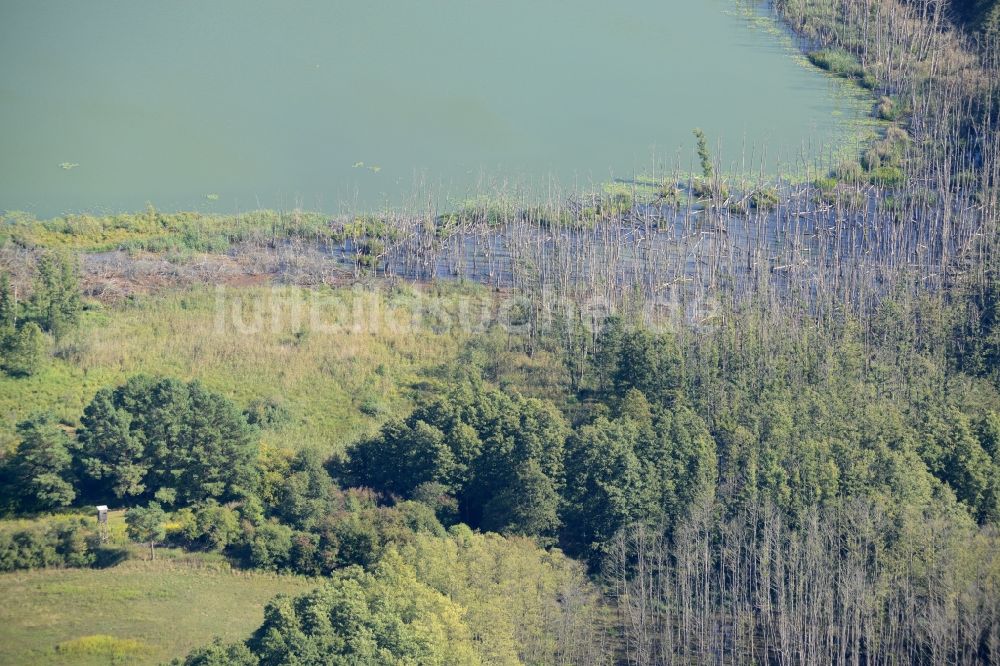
column 112, row 276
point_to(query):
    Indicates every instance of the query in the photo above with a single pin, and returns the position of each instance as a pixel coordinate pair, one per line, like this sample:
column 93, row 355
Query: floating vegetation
column 212, row 197
column 68, row 165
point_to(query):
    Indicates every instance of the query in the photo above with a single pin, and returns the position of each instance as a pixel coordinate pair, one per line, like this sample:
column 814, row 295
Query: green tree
column 8, row 304
column 692, row 454
column 217, row 460
column 703, row 155
column 41, row 465
column 24, row 350
column 528, row 506
column 307, row 492
column 108, row 452
column 954, row 454
column 216, row 526
column 651, row 364
column 218, row 653
column 474, row 442
column 271, row 546
column 386, row 617
column 604, row 486
column 402, row 457
column 146, row 525
column 157, row 435
column 607, row 352
column 55, row 302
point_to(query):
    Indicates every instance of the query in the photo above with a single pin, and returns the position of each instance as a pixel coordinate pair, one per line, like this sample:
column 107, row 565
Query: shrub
column 826, row 184
column 888, row 109
column 888, row 176
column 267, row 413
column 271, row 546
column 848, row 172
column 56, row 543
column 765, row 198
column 843, row 64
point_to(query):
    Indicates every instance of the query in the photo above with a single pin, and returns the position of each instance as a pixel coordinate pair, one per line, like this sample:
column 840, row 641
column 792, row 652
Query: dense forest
column 716, row 421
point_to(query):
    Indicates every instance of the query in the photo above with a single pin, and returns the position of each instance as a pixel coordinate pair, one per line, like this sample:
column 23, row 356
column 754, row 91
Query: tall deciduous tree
column 604, row 486
column 386, row 617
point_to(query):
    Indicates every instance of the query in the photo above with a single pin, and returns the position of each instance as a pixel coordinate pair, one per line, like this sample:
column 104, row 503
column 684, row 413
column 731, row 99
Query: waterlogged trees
column 844, row 584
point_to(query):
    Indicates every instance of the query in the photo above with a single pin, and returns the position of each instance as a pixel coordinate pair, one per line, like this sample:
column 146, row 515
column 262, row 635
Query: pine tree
column 8, row 303
column 41, row 465
column 55, row 304
column 24, row 350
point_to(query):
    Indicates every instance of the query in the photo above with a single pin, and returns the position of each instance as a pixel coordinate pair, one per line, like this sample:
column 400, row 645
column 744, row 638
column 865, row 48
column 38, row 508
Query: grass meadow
column 138, row 612
column 340, row 360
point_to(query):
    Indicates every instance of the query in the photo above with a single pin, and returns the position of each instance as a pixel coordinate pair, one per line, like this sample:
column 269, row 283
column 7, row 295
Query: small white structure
column 102, row 522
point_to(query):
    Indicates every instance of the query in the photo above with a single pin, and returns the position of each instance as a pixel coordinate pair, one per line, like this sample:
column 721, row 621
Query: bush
column 764, row 198
column 889, row 109
column 56, row 543
column 848, row 172
column 826, row 185
column 843, row 64
column 267, row 413
column 209, row 527
column 270, row 546
column 888, row 176
column 101, row 645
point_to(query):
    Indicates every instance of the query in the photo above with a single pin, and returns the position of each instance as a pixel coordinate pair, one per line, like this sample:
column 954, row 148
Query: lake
column 228, row 105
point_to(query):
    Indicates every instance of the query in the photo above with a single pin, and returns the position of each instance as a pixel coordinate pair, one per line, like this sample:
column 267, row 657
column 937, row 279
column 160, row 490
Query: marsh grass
column 327, row 375
column 840, row 62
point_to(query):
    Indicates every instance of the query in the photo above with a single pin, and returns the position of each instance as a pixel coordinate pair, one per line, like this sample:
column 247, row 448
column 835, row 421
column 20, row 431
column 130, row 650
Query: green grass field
column 138, row 612
column 340, row 360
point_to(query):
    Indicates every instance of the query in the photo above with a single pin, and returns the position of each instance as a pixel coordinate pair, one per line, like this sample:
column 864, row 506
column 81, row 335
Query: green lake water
column 226, row 105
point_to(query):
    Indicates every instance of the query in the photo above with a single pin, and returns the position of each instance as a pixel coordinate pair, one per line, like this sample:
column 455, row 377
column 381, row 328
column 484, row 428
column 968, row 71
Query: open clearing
column 136, row 613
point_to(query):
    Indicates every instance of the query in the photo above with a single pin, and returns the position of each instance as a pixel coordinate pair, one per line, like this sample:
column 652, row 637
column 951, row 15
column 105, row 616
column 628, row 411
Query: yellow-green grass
column 116, row 522
column 156, row 230
column 138, row 612
column 340, row 366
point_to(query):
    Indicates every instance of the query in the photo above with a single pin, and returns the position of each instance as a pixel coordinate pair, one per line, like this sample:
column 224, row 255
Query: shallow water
column 228, row 105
